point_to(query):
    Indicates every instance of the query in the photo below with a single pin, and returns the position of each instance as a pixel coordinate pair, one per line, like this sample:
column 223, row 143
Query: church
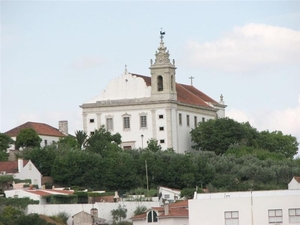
column 141, row 108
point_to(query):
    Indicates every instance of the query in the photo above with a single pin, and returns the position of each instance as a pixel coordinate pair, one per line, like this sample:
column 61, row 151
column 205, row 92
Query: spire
column 162, row 55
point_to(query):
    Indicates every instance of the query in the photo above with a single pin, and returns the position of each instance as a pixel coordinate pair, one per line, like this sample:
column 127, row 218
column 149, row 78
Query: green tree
column 277, row 142
column 102, row 141
column 5, row 142
column 69, row 142
column 140, row 210
column 119, row 213
column 217, row 135
column 28, row 138
column 81, row 137
column 152, row 145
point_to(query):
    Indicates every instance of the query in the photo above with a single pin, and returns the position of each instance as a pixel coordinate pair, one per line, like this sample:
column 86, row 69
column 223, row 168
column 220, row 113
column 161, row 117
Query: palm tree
column 81, row 137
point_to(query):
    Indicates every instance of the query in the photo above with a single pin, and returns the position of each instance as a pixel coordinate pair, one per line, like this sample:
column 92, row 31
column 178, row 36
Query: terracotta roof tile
column 40, row 128
column 187, row 94
column 11, row 166
column 39, row 192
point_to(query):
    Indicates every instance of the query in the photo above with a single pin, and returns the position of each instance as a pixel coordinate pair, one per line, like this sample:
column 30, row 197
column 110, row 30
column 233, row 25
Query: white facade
column 29, row 171
column 169, row 194
column 246, row 208
column 141, row 108
column 294, row 184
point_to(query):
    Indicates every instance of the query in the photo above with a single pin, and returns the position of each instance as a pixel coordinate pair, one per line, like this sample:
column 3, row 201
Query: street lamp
column 142, row 136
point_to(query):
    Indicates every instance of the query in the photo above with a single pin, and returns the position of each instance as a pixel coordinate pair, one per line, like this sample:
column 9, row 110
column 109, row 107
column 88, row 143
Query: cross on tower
column 191, row 77
column 162, row 33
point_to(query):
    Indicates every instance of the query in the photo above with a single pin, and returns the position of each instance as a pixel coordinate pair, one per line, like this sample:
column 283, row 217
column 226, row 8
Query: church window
column 92, row 120
column 188, row 120
column 126, row 122
column 109, row 124
column 160, row 116
column 143, row 121
column 162, row 141
column 172, row 83
column 161, row 128
column 195, row 121
column 152, row 217
column 203, row 119
column 180, row 119
column 92, row 133
column 160, row 85
column 45, row 142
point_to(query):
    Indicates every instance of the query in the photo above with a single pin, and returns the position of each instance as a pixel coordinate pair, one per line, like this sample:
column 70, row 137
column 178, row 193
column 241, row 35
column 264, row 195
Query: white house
column 168, row 194
column 142, row 107
column 294, row 183
column 35, row 194
column 22, row 169
column 246, row 208
column 169, row 214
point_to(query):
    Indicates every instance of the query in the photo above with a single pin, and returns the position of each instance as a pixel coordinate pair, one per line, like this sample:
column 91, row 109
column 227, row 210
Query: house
column 168, row 194
column 170, row 214
column 22, row 169
column 84, row 218
column 141, row 107
column 47, row 133
column 294, row 183
column 40, row 195
column 246, row 208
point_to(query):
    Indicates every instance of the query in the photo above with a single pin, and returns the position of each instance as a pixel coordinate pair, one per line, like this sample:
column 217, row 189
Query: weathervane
column 162, row 33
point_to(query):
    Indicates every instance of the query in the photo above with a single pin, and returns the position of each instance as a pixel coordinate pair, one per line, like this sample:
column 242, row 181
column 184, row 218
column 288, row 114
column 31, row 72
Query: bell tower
column 163, row 86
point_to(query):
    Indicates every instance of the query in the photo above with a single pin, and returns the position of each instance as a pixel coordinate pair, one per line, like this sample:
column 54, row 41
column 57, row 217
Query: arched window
column 152, row 217
column 160, row 86
column 172, row 83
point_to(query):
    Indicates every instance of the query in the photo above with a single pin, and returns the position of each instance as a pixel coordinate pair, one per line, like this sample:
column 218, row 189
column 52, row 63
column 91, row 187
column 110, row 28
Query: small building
column 294, row 184
column 168, row 194
column 170, row 214
column 22, row 169
column 47, row 133
column 84, row 218
column 246, row 208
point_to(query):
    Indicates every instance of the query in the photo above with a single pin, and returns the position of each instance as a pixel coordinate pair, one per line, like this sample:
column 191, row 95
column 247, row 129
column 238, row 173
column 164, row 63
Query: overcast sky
column 56, row 55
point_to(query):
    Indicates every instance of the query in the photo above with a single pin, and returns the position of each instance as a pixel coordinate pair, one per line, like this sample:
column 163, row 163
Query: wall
column 294, row 185
column 103, row 208
column 252, row 206
column 29, row 171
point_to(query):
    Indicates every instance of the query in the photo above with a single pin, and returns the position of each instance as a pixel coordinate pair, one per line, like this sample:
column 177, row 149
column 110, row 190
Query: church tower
column 163, row 86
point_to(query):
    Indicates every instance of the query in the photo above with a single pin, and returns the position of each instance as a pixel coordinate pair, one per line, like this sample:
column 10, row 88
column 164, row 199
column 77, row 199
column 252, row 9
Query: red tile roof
column 40, row 128
column 177, row 209
column 11, row 167
column 187, row 94
column 48, row 192
column 39, row 192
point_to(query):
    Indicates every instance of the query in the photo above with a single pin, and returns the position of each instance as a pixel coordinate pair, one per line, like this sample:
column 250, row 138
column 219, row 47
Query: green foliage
column 188, row 193
column 28, row 138
column 3, row 156
column 103, row 142
column 222, row 134
column 6, row 178
column 69, row 142
column 119, row 213
column 61, row 217
column 5, row 142
column 81, row 137
column 64, row 199
column 140, row 210
column 21, row 203
column 95, row 194
column 152, row 145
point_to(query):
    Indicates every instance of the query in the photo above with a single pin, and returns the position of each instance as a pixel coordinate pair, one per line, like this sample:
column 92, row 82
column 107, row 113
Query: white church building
column 142, row 107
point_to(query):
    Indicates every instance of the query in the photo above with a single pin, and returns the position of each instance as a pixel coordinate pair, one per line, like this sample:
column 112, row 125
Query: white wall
column 103, row 208
column 252, row 207
column 29, row 171
column 294, row 185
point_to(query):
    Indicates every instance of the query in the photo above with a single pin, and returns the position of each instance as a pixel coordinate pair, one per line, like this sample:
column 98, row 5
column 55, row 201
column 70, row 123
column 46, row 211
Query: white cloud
column 86, row 62
column 247, row 48
column 287, row 120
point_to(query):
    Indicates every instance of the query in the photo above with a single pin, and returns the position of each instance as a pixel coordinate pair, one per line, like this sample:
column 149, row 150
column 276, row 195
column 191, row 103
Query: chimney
column 20, row 164
column 166, row 208
column 63, row 127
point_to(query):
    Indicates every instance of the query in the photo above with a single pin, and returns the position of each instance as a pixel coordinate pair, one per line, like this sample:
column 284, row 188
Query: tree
column 152, row 145
column 81, row 137
column 102, row 141
column 69, row 141
column 119, row 213
column 140, row 210
column 5, row 141
column 28, row 138
column 217, row 135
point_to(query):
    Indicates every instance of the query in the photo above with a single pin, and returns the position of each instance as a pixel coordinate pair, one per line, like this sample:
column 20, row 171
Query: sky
column 56, row 55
